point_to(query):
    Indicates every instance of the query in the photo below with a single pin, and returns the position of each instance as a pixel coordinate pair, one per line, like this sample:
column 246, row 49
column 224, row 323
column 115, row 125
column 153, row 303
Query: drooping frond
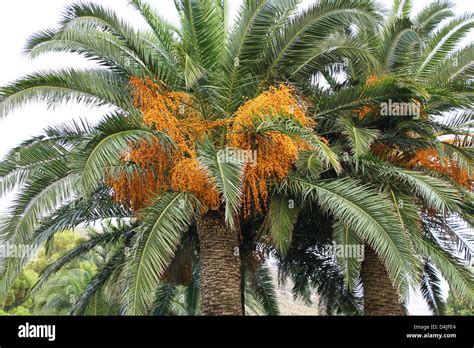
column 310, row 266
column 333, row 50
column 97, row 283
column 431, row 290
column 116, row 134
column 164, row 297
column 79, row 251
column 89, row 16
column 368, row 214
column 459, row 277
column 400, row 46
column 92, row 87
column 436, row 193
column 311, row 26
column 280, row 221
column 154, row 246
column 458, row 65
column 164, row 31
column 260, row 283
column 228, row 175
column 43, row 193
column 192, row 293
column 350, row 266
column 96, row 207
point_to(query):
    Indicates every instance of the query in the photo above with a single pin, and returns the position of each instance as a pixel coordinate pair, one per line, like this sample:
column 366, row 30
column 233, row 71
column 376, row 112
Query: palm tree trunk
column 380, row 296
column 220, row 266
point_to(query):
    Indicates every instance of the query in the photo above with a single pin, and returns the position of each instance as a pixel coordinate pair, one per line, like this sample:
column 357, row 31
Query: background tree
column 415, row 61
column 457, row 307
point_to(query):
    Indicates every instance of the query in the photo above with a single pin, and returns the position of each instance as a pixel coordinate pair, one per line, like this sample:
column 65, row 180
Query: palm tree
column 179, row 95
column 414, row 60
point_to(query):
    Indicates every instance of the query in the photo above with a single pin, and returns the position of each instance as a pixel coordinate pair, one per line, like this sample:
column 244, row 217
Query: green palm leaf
column 92, row 87
column 368, row 214
column 459, row 277
column 261, row 285
column 280, row 221
column 154, row 246
column 228, row 172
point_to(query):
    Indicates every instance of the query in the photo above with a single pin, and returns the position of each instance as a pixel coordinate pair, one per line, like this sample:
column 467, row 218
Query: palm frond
column 228, row 175
column 203, row 31
column 350, row 266
column 431, row 290
column 260, row 283
column 313, row 25
column 256, row 21
column 80, row 251
column 280, row 221
column 163, row 30
column 92, row 87
column 39, row 197
column 192, row 292
column 443, row 42
column 360, row 139
column 432, row 15
column 89, row 16
column 437, row 194
column 154, row 246
column 367, row 213
column 309, row 164
column 164, row 296
column 97, row 283
column 116, row 135
column 458, row 277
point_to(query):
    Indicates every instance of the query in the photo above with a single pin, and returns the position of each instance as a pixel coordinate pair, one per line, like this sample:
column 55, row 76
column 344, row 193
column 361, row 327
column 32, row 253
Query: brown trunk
column 220, row 266
column 380, row 296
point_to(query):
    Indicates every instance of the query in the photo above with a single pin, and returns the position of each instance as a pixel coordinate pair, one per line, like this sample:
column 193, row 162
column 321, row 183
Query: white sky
column 20, row 18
